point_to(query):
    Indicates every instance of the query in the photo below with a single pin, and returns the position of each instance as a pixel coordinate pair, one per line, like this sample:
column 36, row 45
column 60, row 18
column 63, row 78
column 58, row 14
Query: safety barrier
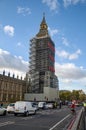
column 78, row 122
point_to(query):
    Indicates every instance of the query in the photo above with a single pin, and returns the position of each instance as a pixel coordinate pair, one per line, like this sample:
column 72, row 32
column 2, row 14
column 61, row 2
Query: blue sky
column 20, row 21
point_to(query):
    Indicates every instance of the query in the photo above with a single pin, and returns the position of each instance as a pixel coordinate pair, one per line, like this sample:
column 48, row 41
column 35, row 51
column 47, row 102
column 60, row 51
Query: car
column 49, row 106
column 3, row 111
column 11, row 108
column 42, row 105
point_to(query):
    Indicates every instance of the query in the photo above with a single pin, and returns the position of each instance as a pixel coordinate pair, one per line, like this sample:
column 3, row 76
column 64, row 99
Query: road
column 51, row 119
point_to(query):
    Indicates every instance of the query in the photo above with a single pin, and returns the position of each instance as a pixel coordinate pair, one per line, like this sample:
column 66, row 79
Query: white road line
column 6, row 123
column 59, row 122
column 27, row 118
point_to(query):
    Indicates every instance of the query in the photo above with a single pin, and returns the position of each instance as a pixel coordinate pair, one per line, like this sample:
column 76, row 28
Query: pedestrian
column 60, row 104
column 55, row 105
column 84, row 104
column 1, row 104
column 73, row 107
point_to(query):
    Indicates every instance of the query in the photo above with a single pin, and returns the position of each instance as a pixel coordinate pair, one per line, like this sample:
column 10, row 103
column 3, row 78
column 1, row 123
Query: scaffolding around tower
column 44, row 82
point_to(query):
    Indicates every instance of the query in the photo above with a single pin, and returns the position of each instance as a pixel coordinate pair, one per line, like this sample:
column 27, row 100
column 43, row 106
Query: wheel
column 15, row 114
column 73, row 112
column 34, row 112
column 26, row 113
column 4, row 113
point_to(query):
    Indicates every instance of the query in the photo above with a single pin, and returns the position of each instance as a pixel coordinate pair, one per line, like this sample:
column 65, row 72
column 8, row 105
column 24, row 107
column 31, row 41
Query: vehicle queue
column 25, row 107
column 28, row 107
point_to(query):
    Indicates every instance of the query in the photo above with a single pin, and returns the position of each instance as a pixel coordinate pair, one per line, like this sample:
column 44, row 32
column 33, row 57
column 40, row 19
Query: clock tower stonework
column 44, row 82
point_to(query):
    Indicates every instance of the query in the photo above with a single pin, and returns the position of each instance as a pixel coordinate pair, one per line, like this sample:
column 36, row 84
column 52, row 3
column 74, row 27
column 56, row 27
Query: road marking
column 59, row 122
column 6, row 123
column 26, row 118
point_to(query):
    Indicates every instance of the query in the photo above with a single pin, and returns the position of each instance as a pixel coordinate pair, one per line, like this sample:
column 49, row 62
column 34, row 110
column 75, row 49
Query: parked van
column 24, row 107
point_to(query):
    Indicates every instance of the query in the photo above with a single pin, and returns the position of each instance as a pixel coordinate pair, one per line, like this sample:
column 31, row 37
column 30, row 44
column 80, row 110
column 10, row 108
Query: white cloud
column 65, row 41
column 53, row 31
column 13, row 64
column 66, row 55
column 75, row 55
column 23, row 11
column 62, row 53
column 70, row 71
column 71, row 77
column 52, row 4
column 19, row 44
column 9, row 30
column 0, row 26
column 72, row 2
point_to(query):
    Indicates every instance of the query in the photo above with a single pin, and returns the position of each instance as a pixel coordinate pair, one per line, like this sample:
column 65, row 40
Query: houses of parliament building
column 11, row 88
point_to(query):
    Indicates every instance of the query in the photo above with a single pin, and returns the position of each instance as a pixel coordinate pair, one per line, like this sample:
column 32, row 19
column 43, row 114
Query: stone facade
column 11, row 88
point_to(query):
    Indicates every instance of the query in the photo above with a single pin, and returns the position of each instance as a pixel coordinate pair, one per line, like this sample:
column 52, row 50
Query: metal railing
column 79, row 123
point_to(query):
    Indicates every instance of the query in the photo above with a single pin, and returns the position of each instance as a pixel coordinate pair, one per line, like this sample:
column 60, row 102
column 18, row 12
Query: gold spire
column 43, row 28
column 43, row 24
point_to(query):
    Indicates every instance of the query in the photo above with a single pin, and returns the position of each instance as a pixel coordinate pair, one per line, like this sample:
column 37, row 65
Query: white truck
column 24, row 107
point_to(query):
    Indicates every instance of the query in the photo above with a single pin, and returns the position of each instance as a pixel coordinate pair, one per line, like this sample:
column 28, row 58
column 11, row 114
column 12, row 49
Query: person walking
column 84, row 104
column 73, row 107
column 1, row 104
column 60, row 104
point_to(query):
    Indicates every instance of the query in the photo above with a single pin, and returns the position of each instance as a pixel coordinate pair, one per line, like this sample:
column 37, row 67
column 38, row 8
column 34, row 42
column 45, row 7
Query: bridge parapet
column 78, row 122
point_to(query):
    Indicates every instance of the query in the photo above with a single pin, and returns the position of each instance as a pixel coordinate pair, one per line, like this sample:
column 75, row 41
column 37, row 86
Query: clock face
column 44, row 26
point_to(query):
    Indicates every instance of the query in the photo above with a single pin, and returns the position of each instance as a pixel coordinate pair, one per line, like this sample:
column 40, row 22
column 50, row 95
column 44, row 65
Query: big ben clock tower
column 42, row 64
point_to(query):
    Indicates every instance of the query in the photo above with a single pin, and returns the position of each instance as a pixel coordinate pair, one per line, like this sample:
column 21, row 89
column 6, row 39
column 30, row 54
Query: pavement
column 85, row 117
column 85, row 121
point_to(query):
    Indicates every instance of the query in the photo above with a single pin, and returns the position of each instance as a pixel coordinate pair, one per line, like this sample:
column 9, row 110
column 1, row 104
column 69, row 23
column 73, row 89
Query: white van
column 24, row 107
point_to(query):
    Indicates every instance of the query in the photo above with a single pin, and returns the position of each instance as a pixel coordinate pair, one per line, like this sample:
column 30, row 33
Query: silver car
column 2, row 111
column 11, row 108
